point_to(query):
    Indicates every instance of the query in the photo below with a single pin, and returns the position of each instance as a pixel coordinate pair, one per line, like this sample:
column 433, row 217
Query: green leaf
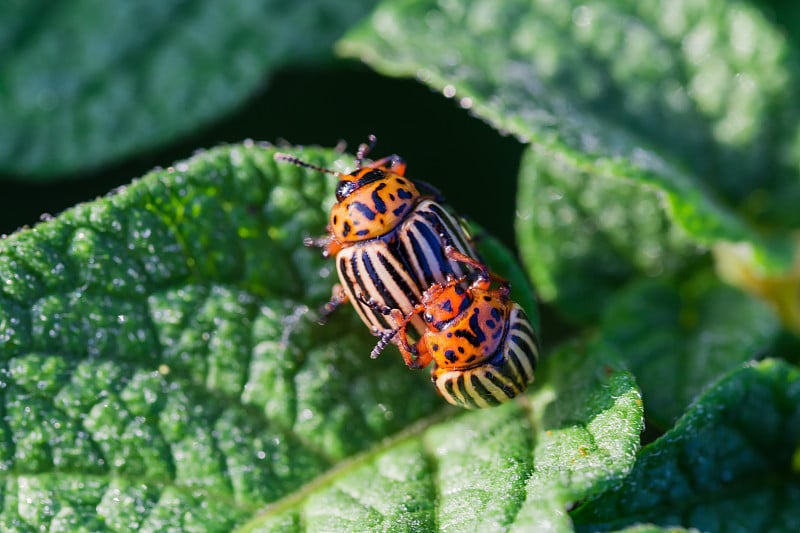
column 725, row 466
column 677, row 338
column 162, row 368
column 650, row 528
column 654, row 130
column 138, row 75
column 162, row 365
column 517, row 466
column 505, row 265
column 740, row 265
column 617, row 230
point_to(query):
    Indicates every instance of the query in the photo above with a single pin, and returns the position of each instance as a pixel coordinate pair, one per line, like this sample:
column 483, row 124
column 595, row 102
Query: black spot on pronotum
column 435, row 347
column 397, row 211
column 371, row 176
column 475, row 336
column 346, row 229
column 450, row 355
column 404, row 194
column 345, row 189
column 364, row 210
column 495, row 312
column 377, row 201
column 448, row 306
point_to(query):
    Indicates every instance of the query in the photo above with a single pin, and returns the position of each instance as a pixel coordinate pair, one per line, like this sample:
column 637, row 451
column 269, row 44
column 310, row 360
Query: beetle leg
column 364, row 149
column 386, row 340
column 320, row 242
column 417, row 356
column 372, row 304
column 455, row 255
column 329, row 245
column 338, row 297
column 393, row 163
column 413, row 355
column 423, row 358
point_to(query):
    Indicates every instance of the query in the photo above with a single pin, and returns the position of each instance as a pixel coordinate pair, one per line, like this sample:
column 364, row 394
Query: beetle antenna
column 364, row 149
column 289, row 158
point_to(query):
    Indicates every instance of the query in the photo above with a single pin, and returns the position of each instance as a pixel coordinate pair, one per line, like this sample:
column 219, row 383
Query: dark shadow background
column 474, row 166
column 469, row 161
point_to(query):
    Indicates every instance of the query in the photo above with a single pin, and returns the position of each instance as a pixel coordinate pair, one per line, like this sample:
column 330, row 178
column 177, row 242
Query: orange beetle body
column 482, row 344
column 383, row 201
column 388, row 235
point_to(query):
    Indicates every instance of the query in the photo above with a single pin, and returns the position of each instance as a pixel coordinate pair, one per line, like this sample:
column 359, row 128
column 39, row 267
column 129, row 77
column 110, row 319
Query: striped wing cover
column 498, row 380
column 394, row 271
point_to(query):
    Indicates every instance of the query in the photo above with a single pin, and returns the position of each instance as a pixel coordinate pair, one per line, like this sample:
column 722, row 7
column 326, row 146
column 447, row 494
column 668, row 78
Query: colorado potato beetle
column 482, row 344
column 388, row 234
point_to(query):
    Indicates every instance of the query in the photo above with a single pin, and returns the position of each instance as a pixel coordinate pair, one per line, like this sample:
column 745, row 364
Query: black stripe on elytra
column 377, row 201
column 377, row 281
column 520, row 377
column 460, row 387
column 448, row 386
column 397, row 279
column 434, row 242
column 507, row 389
column 529, row 334
column 377, row 316
column 526, row 349
column 431, row 242
column 482, row 391
column 524, row 328
column 452, row 229
column 425, row 276
column 523, row 324
column 364, row 210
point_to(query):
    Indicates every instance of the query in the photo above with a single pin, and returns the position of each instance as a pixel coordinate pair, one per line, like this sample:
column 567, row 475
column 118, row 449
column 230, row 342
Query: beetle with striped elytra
column 388, row 235
column 481, row 343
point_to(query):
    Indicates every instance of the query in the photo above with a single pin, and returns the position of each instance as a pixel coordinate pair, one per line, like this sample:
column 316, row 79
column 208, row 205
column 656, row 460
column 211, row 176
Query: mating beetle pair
column 400, row 254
